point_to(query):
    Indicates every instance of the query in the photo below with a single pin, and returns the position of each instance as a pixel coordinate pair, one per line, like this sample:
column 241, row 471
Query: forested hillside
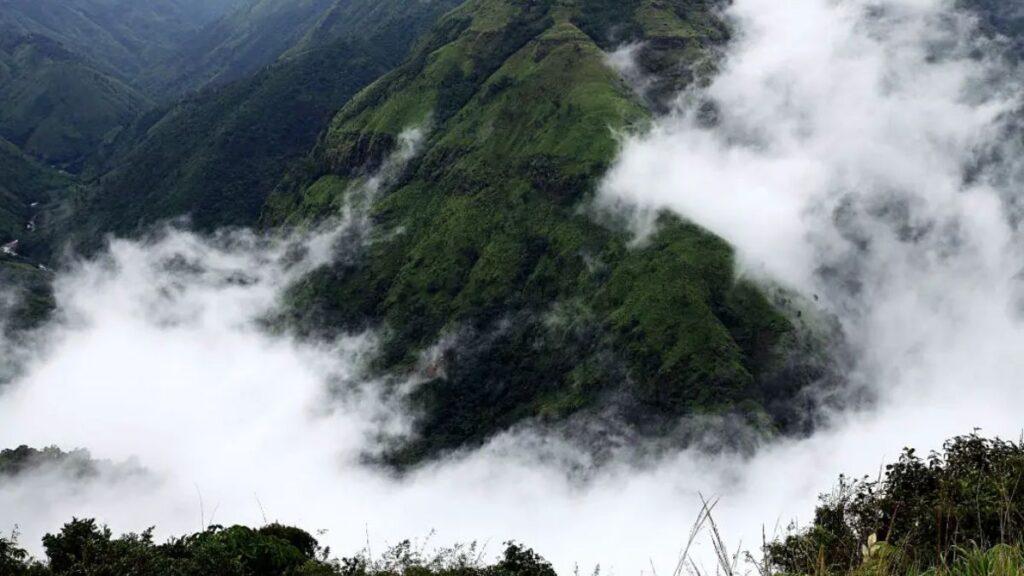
column 57, row 106
column 565, row 270
column 262, row 32
column 954, row 512
column 242, row 43
column 121, row 38
column 216, row 156
column 488, row 246
column 27, row 190
column 25, row 185
column 490, row 243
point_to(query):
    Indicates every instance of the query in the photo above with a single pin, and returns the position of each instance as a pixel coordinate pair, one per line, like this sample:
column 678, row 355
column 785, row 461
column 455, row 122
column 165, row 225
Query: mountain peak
column 485, row 248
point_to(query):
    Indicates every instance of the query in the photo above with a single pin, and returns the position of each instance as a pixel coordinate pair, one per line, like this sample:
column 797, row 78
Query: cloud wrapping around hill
column 859, row 154
column 867, row 153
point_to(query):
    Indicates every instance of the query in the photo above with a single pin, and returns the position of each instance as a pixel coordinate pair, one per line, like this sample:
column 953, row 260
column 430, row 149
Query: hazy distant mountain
column 120, row 37
column 263, row 31
column 74, row 72
column 217, row 155
column 55, row 105
column 27, row 189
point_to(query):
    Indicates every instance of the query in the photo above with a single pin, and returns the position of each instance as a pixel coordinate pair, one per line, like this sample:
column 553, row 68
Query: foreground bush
column 953, row 511
column 83, row 548
column 1000, row 560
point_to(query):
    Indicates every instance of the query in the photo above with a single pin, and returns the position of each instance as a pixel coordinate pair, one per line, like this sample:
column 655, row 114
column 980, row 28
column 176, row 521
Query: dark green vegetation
column 215, row 157
column 72, row 79
column 73, row 73
column 26, row 189
column 489, row 271
column 26, row 301
column 265, row 31
column 72, row 466
column 926, row 513
column 166, row 48
column 959, row 512
column 487, row 244
column 24, row 459
column 121, row 38
column 55, row 105
column 23, row 182
column 235, row 140
column 82, row 548
column 241, row 43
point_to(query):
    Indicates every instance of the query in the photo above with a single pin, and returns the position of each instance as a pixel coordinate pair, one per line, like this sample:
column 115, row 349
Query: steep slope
column 390, row 21
column 216, row 156
column 241, row 43
column 23, row 183
column 1005, row 19
column 55, row 105
column 486, row 270
column 27, row 189
column 264, row 31
column 124, row 38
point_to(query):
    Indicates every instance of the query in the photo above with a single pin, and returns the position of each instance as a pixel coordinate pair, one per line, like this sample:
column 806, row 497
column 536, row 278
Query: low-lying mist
column 863, row 153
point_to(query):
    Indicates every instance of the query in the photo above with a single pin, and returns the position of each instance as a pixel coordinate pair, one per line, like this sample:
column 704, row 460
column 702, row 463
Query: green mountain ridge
column 487, row 243
column 217, row 155
column 57, row 107
column 241, row 43
column 122, row 38
column 489, row 271
column 953, row 512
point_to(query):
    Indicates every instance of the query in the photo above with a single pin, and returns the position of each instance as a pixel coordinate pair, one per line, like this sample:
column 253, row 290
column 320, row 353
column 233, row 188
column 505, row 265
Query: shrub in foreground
column 961, row 505
column 84, row 548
